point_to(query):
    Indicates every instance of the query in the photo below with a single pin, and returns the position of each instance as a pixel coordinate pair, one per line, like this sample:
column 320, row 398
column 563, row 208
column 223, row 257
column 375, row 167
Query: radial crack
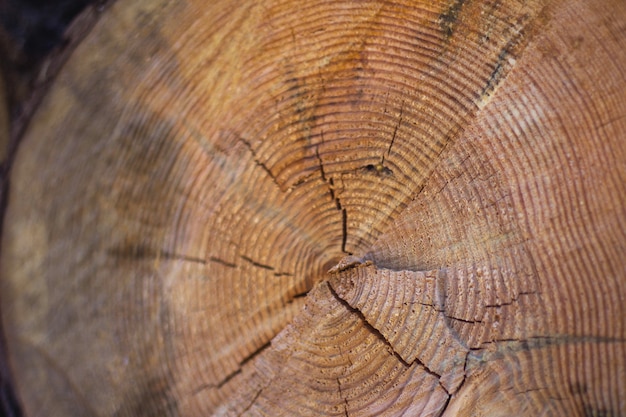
column 219, row 385
column 461, row 320
column 331, row 191
column 321, row 164
column 222, row 262
column 344, row 227
column 254, row 354
column 513, row 299
column 256, row 160
column 283, row 274
column 395, row 132
column 367, row 325
column 144, row 252
column 390, row 346
column 257, row 264
column 256, row 396
column 345, row 400
column 536, row 342
column 445, row 406
column 234, row 373
column 296, row 296
column 329, row 181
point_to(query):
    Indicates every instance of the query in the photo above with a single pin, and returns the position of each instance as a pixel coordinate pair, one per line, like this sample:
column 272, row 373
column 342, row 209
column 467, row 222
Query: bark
column 8, row 403
column 326, row 208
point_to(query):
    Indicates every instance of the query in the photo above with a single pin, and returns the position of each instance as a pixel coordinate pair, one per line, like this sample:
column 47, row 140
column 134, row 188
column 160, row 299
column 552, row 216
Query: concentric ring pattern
column 326, row 208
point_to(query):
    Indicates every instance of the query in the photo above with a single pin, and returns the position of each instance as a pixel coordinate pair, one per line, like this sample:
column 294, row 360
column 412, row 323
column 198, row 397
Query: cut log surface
column 325, row 208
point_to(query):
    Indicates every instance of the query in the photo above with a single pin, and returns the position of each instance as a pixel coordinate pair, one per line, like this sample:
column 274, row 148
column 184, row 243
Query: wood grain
column 326, row 208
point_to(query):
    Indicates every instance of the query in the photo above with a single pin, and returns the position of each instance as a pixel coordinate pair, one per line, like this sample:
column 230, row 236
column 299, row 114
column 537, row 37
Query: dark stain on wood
column 449, row 19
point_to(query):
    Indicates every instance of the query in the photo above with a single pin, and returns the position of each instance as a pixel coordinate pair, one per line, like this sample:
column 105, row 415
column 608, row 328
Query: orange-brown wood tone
column 325, row 208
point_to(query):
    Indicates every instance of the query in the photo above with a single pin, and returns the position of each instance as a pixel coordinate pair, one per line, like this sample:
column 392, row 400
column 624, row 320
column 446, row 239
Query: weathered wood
column 326, row 208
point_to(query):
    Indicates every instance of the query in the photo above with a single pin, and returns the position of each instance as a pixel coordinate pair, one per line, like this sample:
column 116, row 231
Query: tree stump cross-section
column 327, row 208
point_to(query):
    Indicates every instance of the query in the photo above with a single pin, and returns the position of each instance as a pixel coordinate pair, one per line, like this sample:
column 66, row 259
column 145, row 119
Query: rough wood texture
column 326, row 208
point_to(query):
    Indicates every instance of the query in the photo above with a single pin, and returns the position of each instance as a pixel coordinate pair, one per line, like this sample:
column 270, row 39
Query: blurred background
column 36, row 37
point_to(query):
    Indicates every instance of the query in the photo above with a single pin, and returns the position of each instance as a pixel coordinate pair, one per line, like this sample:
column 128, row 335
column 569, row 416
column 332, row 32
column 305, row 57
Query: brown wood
column 326, row 208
